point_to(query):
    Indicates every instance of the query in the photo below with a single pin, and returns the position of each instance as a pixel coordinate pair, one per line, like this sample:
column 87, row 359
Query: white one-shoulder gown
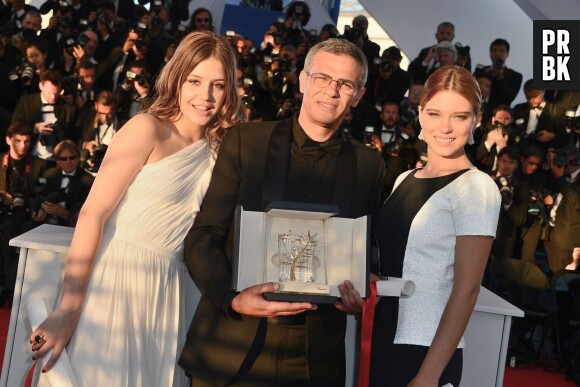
column 133, row 324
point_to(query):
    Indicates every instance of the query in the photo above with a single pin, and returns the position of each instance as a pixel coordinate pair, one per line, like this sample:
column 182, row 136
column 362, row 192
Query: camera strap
column 27, row 169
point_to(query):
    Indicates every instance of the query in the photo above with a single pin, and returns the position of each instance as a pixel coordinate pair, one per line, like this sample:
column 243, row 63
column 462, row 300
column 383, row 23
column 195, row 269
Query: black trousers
column 397, row 364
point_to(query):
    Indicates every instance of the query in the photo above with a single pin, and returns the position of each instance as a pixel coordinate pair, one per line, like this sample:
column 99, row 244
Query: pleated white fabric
column 133, row 326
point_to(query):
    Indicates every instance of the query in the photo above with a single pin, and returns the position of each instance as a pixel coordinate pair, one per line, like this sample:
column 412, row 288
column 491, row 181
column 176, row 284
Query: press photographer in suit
column 237, row 337
column 48, row 113
column 564, row 214
column 66, row 189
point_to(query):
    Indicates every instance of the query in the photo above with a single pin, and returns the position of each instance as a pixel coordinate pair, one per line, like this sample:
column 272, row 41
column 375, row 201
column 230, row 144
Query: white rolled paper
column 395, row 287
column 61, row 375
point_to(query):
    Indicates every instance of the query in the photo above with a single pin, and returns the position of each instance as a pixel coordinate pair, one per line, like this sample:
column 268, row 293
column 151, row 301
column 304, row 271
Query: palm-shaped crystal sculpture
column 296, row 255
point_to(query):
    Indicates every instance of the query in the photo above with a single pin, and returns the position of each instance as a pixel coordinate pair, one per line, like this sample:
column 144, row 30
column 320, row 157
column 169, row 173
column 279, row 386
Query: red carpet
column 514, row 377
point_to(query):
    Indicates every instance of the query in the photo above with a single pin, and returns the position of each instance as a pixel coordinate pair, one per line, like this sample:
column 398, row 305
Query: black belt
column 288, row 320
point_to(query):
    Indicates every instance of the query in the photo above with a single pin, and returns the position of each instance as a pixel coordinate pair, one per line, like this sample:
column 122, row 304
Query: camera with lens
column 83, row 25
column 462, row 51
column 284, row 65
column 70, row 85
column 312, row 38
column 70, row 43
column 536, row 207
column 141, row 80
column 351, row 34
column 156, row 22
column 507, row 192
column 387, row 66
column 103, row 18
column 27, row 34
column 54, row 137
column 64, row 22
column 267, row 62
column 406, row 117
column 97, row 157
column 277, row 38
column 141, row 44
column 24, row 72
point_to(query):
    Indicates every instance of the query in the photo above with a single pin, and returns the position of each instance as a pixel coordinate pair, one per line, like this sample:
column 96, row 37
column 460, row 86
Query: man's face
column 324, row 107
column 446, row 57
column 534, row 97
column 104, row 113
column 19, row 145
column 484, row 86
column 498, row 52
column 201, row 21
column 68, row 161
column 49, row 91
column 31, row 22
column 530, row 164
column 87, row 78
column 445, row 33
column 390, row 115
column 506, row 166
column 92, row 43
column 415, row 95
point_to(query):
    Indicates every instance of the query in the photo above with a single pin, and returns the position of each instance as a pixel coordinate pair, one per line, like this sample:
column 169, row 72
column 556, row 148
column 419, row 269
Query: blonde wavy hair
column 194, row 49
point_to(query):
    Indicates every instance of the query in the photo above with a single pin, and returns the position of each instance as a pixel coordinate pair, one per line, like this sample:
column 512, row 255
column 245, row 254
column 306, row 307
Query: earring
column 471, row 139
column 420, row 136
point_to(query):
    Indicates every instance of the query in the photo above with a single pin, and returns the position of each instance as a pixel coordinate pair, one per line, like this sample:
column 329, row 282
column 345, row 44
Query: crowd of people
column 68, row 89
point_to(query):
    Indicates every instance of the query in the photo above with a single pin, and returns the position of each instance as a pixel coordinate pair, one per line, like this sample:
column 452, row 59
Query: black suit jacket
column 76, row 194
column 251, row 171
column 552, row 120
column 28, row 111
column 566, row 233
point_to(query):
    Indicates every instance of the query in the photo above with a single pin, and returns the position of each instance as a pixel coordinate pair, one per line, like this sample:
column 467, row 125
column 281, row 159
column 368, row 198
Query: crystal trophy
column 296, row 256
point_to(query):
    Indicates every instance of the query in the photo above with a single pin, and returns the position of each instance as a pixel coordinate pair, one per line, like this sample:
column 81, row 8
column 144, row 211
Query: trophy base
column 300, row 297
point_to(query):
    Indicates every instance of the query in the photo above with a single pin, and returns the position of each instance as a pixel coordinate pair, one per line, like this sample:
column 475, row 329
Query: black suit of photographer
column 391, row 86
column 551, row 119
column 29, row 111
column 503, row 90
column 74, row 194
column 17, row 177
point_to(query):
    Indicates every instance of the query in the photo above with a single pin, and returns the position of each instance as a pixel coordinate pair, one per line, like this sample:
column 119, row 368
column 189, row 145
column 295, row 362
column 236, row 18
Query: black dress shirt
column 313, row 167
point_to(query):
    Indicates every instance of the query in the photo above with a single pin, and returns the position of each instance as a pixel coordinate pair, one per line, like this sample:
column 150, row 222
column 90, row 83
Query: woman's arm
column 471, row 254
column 125, row 156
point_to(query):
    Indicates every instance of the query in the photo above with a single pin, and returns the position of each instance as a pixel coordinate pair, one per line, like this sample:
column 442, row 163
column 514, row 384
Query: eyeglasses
column 322, row 80
column 202, row 20
column 69, row 158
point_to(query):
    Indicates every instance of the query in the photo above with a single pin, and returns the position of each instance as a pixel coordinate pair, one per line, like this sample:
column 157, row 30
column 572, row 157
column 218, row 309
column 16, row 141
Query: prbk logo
column 557, row 54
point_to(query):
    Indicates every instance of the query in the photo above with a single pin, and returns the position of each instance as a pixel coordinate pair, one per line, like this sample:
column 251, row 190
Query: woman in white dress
column 121, row 312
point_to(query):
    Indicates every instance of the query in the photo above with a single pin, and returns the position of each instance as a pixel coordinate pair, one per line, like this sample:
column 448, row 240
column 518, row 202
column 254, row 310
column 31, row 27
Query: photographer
column 31, row 25
column 427, row 60
column 112, row 71
column 111, row 30
column 513, row 212
column 280, row 79
column 47, row 113
column 564, row 221
column 134, row 95
column 498, row 136
column 371, row 50
column 66, row 189
column 297, row 16
column 445, row 54
column 532, row 187
column 388, row 82
column 80, row 88
column 27, row 74
column 505, row 82
column 19, row 173
column 98, row 127
column 542, row 122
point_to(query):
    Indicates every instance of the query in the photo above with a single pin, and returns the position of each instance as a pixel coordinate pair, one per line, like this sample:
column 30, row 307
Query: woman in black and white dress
column 436, row 229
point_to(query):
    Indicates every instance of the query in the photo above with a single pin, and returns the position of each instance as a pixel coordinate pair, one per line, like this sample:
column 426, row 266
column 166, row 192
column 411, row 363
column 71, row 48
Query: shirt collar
column 302, row 139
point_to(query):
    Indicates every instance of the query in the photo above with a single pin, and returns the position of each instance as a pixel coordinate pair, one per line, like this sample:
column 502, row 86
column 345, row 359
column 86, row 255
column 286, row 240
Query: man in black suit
column 505, row 82
column 427, row 61
column 239, row 338
column 67, row 187
column 42, row 110
column 542, row 122
column 18, row 175
column 564, row 219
